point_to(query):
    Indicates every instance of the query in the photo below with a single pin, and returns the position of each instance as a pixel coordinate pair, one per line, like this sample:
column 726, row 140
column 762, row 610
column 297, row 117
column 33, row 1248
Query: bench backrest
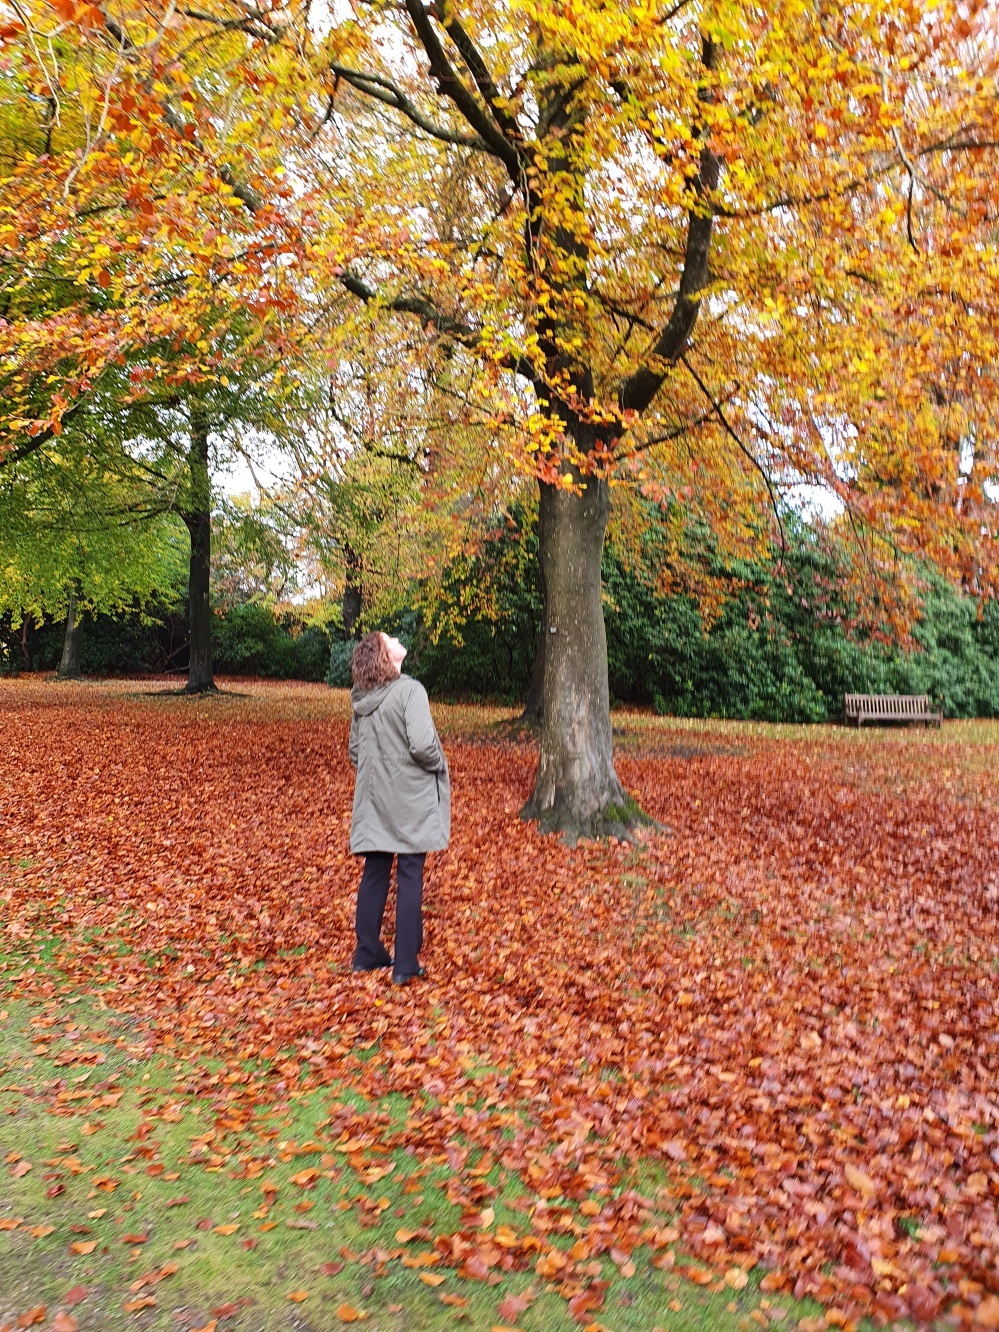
column 887, row 705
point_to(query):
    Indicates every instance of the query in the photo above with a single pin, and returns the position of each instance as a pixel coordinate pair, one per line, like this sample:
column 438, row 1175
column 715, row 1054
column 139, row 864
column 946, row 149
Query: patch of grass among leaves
column 126, row 1207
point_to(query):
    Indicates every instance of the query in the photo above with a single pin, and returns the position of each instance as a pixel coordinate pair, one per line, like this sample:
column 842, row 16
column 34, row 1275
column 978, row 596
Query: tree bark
column 576, row 789
column 198, row 517
column 69, row 664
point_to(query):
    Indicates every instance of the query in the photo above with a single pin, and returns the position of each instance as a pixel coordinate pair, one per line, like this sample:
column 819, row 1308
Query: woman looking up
column 402, row 801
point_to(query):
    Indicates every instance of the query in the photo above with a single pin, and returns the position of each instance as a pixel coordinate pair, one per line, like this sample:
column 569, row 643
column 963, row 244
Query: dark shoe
column 399, row 979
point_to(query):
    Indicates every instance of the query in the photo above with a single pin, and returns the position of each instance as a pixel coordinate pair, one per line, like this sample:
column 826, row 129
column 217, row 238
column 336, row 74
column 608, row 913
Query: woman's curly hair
column 370, row 665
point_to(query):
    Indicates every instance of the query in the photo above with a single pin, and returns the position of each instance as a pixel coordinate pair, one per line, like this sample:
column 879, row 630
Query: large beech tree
column 688, row 231
column 680, row 243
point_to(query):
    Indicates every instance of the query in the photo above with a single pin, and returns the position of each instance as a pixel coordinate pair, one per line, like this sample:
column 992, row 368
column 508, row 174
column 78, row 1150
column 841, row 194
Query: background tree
column 74, row 544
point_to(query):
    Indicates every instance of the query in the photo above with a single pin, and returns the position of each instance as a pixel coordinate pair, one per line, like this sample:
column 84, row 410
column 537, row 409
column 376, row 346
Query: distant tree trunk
column 536, row 691
column 69, row 663
column 198, row 517
column 350, row 604
column 576, row 790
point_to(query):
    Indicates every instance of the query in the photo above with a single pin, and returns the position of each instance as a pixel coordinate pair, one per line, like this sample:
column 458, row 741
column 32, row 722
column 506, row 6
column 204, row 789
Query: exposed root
column 625, row 821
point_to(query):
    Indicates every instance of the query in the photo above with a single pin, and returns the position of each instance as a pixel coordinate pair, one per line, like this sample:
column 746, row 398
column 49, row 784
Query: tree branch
column 719, row 412
column 247, row 196
column 14, row 455
column 428, row 313
column 453, row 88
column 383, row 90
column 641, row 387
column 492, row 96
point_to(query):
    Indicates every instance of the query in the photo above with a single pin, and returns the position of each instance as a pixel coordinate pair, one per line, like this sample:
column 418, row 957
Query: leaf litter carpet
column 786, row 1001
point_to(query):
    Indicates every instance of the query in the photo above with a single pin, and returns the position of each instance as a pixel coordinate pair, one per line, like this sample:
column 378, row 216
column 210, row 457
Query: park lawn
column 139, row 1210
column 670, row 1084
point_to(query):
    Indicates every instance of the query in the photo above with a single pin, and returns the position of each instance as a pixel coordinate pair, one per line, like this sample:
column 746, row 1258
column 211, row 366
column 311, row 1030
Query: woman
column 402, row 801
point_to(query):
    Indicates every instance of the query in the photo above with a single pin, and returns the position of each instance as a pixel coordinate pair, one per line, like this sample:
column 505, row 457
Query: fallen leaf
column 432, row 1278
column 297, row 1296
column 860, row 1181
column 348, row 1314
column 83, row 1246
column 512, row 1306
column 140, row 1302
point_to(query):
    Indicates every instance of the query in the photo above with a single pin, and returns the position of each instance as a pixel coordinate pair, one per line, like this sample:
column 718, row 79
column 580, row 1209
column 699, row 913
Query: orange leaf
column 140, row 1302
column 348, row 1314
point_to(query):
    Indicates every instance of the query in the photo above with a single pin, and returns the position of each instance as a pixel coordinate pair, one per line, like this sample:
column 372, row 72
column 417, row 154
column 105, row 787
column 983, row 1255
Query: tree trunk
column 576, row 790
column 350, row 604
column 534, row 706
column 69, row 664
column 198, row 517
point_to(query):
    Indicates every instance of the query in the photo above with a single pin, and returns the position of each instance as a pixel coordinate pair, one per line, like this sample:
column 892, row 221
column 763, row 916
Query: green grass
column 117, row 1156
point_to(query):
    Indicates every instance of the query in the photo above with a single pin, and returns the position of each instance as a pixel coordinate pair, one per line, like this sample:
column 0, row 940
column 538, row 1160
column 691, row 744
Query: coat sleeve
column 424, row 745
column 353, row 743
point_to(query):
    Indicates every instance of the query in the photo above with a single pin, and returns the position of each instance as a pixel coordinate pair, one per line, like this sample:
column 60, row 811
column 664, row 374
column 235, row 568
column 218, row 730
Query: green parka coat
column 402, row 795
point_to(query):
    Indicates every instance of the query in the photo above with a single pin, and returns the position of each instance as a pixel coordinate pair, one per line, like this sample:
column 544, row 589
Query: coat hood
column 366, row 701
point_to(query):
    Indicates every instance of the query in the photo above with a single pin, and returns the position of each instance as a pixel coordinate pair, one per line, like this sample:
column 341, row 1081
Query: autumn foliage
column 786, row 999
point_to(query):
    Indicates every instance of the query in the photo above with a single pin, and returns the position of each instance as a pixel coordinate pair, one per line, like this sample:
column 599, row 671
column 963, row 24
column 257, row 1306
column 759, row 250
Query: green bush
column 338, row 671
column 252, row 639
column 778, row 651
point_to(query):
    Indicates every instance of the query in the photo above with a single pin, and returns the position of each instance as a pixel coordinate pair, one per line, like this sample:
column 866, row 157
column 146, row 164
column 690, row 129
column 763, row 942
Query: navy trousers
column 372, row 895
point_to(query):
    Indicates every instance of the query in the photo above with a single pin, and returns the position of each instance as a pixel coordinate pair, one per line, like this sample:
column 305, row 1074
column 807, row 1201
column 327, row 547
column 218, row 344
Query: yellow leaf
column 297, row 1296
column 432, row 1278
column 348, row 1314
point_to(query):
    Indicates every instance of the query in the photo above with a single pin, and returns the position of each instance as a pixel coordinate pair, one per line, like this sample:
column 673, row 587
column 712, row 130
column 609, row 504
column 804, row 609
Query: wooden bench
column 890, row 707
